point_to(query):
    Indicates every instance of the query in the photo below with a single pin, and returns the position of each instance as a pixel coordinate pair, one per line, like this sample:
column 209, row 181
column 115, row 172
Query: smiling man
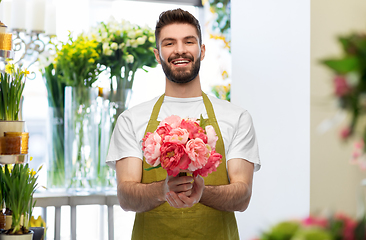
column 184, row 207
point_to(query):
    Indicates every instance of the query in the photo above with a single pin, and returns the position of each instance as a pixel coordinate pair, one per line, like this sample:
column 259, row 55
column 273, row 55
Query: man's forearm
column 140, row 197
column 232, row 197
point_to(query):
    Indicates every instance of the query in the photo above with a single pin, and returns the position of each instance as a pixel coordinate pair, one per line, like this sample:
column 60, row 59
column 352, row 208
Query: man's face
column 179, row 52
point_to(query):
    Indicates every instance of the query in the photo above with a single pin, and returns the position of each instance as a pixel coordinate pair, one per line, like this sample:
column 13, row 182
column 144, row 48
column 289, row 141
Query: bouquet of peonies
column 182, row 145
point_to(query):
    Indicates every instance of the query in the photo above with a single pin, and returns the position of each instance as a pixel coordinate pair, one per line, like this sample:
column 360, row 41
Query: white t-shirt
column 234, row 122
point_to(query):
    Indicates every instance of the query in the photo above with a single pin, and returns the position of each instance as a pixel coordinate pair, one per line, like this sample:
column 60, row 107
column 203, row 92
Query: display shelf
column 6, row 54
column 14, row 159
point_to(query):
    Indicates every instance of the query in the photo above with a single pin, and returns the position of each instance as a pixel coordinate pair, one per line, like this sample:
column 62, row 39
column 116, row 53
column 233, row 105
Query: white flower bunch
column 123, row 39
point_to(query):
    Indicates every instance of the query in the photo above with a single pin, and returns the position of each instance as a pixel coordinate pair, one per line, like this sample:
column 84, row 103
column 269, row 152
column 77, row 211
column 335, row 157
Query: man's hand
column 177, row 184
column 180, row 199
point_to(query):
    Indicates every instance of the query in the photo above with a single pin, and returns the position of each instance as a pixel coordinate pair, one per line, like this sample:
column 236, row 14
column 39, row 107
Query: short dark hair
column 176, row 16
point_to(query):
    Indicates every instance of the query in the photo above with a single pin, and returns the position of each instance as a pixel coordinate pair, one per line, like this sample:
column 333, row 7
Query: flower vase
column 56, row 150
column 81, row 137
column 109, row 110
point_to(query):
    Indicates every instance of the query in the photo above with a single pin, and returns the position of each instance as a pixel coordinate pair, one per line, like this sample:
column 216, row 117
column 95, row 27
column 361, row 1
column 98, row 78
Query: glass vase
column 81, row 137
column 109, row 112
column 56, row 150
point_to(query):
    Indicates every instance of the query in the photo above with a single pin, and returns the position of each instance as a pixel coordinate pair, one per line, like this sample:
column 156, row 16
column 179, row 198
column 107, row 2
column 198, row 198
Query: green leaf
column 342, row 66
column 203, row 122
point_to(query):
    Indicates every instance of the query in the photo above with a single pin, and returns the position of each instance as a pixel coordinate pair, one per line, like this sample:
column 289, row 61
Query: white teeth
column 181, row 61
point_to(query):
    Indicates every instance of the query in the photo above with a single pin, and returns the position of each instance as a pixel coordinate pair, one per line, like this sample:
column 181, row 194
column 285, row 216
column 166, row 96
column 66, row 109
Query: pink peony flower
column 151, row 148
column 341, row 86
column 213, row 162
column 174, row 121
column 191, row 126
column 345, row 133
column 349, row 226
column 198, row 153
column 177, row 135
column 315, row 221
column 173, row 158
column 163, row 130
column 211, row 136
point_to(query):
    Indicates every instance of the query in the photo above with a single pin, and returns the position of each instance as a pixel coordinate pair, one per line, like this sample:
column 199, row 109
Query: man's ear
column 156, row 52
column 203, row 51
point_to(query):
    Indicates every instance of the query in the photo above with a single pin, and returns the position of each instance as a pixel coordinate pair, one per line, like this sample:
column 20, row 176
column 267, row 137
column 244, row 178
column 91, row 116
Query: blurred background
column 275, row 71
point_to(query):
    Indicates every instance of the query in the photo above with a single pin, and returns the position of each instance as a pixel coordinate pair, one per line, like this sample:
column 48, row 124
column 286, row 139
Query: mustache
column 177, row 56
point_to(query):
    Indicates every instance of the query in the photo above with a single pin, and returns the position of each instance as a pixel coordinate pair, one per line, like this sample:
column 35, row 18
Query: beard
column 181, row 75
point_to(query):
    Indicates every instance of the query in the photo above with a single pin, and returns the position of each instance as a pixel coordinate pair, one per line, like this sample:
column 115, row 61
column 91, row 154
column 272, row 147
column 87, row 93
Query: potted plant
column 12, row 83
column 19, row 183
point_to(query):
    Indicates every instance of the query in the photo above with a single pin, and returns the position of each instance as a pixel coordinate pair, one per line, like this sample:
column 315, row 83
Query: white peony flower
column 107, row 52
column 134, row 43
column 131, row 34
column 128, row 43
column 139, row 32
column 104, row 35
column 129, row 58
column 141, row 40
column 114, row 46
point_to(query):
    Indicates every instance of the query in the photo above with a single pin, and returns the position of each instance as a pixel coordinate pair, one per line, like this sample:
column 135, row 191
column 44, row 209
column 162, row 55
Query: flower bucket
column 81, row 137
column 109, row 112
column 38, row 233
column 28, row 236
column 56, row 150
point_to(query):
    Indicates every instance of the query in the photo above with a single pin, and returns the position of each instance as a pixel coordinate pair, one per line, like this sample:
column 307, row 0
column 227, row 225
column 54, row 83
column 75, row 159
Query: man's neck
column 186, row 90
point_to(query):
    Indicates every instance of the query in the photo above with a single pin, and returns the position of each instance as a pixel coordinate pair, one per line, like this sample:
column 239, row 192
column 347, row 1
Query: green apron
column 197, row 222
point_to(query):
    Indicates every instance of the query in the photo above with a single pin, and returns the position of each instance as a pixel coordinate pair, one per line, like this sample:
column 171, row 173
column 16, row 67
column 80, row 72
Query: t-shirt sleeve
column 244, row 144
column 123, row 141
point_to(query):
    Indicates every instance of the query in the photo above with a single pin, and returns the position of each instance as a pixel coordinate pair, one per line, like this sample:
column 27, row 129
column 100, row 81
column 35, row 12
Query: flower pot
column 8, row 221
column 27, row 236
column 2, row 220
column 11, row 126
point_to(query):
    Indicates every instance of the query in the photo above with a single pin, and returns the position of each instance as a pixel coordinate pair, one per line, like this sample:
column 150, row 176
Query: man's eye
column 168, row 44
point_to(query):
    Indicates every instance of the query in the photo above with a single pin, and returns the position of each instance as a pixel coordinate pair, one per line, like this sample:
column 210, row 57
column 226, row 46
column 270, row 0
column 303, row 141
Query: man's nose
column 180, row 48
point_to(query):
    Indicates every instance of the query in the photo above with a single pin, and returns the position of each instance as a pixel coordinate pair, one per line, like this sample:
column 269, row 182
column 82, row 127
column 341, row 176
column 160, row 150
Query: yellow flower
column 224, row 74
column 25, row 72
column 9, row 68
column 32, row 172
column 91, row 60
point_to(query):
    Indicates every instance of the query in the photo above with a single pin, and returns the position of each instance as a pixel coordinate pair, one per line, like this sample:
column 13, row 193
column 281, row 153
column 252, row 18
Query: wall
column 334, row 181
column 271, row 78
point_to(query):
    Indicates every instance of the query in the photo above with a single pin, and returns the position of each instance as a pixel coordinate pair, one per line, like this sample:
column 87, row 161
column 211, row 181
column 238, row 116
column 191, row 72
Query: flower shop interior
column 296, row 66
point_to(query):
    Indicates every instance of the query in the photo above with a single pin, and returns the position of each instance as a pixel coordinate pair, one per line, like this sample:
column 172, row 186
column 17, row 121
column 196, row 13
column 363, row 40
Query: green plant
column 349, row 83
column 19, row 185
column 222, row 9
column 12, row 83
column 334, row 227
column 76, row 61
column 222, row 91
